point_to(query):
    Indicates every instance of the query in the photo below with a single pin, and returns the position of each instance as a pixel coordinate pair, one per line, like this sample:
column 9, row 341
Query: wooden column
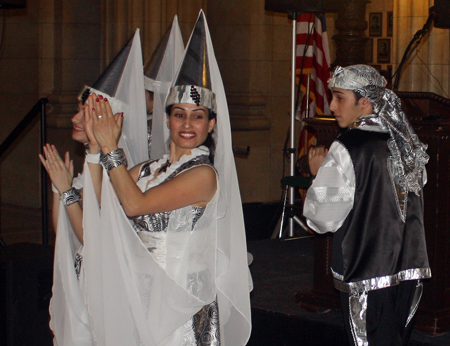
column 351, row 39
column 69, row 49
column 120, row 19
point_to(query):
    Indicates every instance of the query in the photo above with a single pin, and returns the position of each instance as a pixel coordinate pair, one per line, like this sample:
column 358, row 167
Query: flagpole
column 292, row 141
column 306, row 112
column 282, row 6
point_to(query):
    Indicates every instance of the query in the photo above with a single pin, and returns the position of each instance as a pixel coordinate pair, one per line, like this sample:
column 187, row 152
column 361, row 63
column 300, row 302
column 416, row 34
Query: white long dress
column 153, row 281
column 154, row 230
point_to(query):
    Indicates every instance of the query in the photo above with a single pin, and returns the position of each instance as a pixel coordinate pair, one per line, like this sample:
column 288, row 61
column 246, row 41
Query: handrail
column 38, row 108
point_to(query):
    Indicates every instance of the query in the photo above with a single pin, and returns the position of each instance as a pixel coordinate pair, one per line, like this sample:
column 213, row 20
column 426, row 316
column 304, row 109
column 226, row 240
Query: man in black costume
column 368, row 192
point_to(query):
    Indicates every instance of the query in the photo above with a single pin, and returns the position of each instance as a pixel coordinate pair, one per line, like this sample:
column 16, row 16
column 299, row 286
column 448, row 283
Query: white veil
column 70, row 321
column 233, row 280
column 69, row 318
column 106, row 312
column 172, row 57
column 131, row 92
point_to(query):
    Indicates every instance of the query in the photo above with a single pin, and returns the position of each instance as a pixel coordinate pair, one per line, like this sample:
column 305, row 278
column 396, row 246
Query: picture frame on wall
column 375, row 24
column 384, row 50
column 368, row 51
column 390, row 24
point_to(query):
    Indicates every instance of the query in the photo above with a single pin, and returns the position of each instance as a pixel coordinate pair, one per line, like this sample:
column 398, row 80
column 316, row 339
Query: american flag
column 313, row 57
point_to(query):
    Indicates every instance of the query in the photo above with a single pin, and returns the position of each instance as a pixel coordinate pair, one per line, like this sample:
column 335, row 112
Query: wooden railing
column 38, row 109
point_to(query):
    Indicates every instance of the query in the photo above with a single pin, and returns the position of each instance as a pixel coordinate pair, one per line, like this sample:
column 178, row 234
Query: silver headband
column 151, row 84
column 355, row 77
column 117, row 106
column 362, row 79
column 192, row 94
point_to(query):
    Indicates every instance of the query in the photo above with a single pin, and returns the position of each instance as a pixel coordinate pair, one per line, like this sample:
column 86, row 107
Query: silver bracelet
column 114, row 159
column 70, row 196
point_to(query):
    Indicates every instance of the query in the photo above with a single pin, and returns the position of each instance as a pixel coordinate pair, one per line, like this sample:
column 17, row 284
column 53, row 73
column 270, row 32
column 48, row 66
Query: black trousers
column 387, row 313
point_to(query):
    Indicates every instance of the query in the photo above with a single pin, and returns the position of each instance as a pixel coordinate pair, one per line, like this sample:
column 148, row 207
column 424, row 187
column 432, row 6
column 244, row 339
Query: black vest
column 373, row 241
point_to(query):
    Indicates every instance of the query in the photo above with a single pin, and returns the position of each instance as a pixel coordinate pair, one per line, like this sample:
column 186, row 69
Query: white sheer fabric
column 108, row 307
column 330, row 197
column 78, row 181
column 131, row 92
column 169, row 65
column 68, row 313
column 233, row 276
column 70, row 321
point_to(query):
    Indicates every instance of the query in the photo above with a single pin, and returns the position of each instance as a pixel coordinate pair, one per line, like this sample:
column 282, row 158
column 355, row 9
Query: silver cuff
column 70, row 196
column 114, row 159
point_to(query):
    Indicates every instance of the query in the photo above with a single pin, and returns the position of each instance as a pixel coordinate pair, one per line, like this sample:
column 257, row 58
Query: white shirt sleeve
column 331, row 195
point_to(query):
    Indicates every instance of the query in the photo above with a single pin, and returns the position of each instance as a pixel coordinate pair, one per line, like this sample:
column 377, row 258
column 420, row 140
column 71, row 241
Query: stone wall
column 19, row 91
column 53, row 47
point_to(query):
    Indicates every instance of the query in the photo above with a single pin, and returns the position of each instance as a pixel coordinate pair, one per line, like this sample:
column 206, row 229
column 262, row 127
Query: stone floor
column 280, row 269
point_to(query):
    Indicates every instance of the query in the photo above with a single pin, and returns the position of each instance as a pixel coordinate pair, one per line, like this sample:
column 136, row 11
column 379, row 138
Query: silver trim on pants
column 357, row 304
column 379, row 282
column 415, row 302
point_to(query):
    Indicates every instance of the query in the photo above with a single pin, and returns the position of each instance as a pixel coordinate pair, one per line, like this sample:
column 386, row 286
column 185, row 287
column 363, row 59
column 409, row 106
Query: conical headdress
column 108, row 82
column 152, row 66
column 193, row 82
column 122, row 82
column 161, row 72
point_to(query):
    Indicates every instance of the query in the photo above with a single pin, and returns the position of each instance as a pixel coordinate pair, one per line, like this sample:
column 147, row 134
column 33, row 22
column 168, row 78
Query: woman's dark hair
column 209, row 142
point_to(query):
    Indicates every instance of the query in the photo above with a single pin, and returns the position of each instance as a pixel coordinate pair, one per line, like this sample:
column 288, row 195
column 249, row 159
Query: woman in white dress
column 178, row 274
